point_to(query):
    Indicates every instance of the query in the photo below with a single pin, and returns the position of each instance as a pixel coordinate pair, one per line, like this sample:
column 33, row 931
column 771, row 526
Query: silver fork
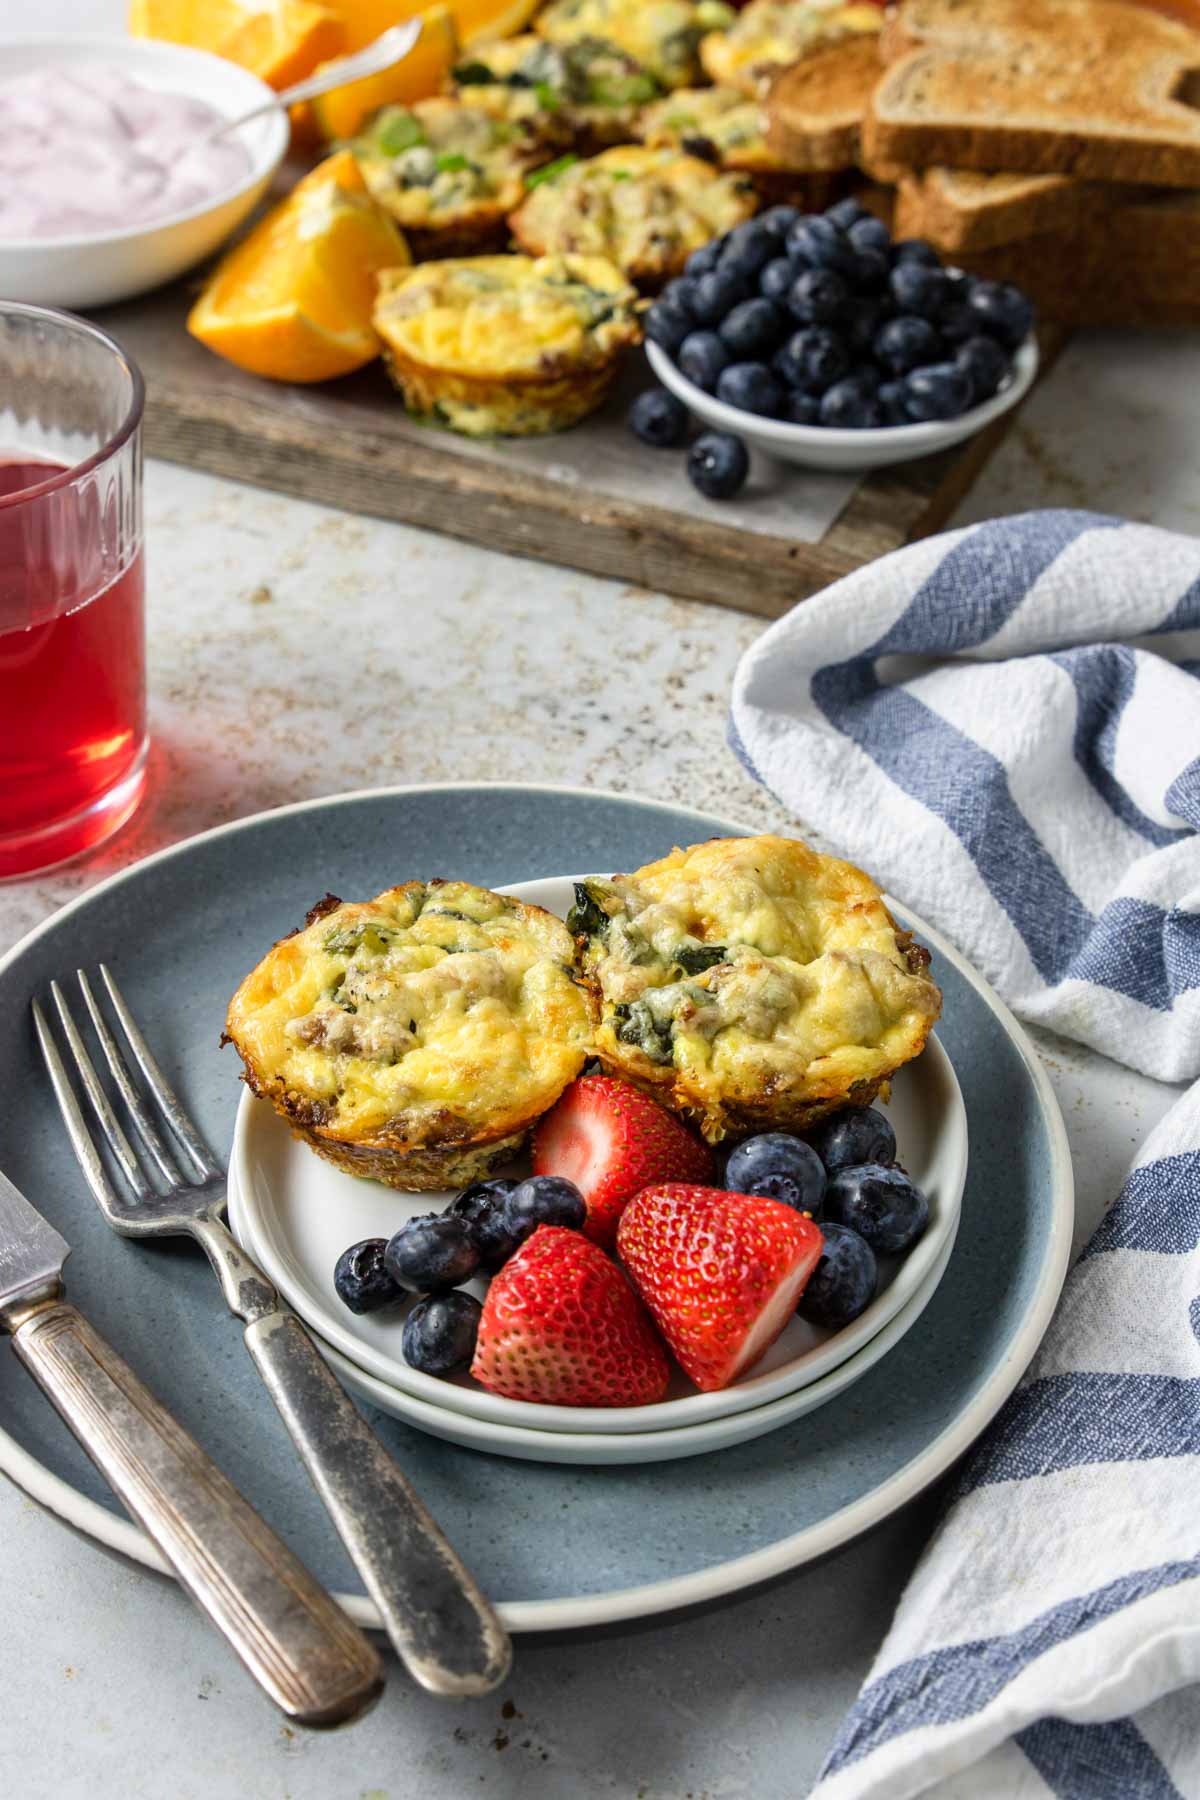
column 443, row 1628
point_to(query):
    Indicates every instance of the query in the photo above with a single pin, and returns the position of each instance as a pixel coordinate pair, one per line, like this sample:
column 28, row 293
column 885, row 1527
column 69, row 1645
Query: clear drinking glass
column 72, row 627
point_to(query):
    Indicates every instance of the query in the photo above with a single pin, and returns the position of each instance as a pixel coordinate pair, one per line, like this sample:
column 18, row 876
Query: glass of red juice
column 72, row 615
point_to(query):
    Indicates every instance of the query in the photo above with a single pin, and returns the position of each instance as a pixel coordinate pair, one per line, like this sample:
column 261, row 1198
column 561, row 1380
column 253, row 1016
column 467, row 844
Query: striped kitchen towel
column 1003, row 725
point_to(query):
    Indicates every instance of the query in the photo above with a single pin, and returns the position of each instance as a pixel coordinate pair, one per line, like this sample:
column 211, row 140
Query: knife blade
column 32, row 1253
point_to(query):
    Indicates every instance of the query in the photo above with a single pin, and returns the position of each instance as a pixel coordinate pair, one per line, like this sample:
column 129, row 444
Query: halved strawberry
column 561, row 1325
column 720, row 1272
column 612, row 1140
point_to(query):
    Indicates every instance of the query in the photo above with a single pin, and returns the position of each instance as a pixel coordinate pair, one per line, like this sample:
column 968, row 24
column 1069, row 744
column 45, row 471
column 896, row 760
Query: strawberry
column 561, row 1325
column 612, row 1140
column 720, row 1272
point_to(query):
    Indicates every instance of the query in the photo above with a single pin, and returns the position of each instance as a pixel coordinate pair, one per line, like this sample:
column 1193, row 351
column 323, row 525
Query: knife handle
column 294, row 1639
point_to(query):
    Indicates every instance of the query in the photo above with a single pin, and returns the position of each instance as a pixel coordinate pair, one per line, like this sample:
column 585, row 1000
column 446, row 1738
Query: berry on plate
column 857, row 1134
column 439, row 1333
column 659, row 419
column 718, row 465
column 780, row 1166
column 361, row 1279
column 843, row 1283
column 562, row 1326
column 544, row 1200
column 882, row 1205
column 432, row 1251
column 482, row 1206
column 721, row 1272
column 611, row 1141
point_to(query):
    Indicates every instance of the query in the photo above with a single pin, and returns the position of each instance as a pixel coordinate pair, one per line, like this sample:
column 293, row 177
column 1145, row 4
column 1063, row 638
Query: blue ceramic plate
column 558, row 1547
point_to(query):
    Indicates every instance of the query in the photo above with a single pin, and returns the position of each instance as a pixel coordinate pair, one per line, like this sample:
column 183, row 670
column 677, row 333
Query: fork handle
column 295, row 1641
column 443, row 1628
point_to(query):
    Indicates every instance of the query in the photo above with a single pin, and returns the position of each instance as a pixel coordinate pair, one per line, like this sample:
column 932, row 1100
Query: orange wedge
column 281, row 41
column 293, row 300
column 476, row 21
column 339, row 113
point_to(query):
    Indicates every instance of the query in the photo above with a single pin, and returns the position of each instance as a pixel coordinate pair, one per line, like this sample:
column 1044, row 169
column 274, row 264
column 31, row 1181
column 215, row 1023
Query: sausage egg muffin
column 770, row 35
column 448, row 173
column 584, row 94
column 721, row 126
column 505, row 344
column 752, row 984
column 662, row 35
column 415, row 1038
column 645, row 209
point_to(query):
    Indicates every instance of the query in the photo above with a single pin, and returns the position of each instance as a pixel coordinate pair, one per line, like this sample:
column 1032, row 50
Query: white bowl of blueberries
column 818, row 340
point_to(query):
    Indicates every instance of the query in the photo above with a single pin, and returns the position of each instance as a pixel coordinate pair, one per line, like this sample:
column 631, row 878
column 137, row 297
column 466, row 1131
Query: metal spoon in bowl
column 390, row 48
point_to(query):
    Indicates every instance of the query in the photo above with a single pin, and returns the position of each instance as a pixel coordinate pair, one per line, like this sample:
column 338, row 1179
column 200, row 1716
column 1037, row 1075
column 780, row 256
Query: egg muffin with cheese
column 721, row 126
column 751, row 984
column 646, row 210
column 416, row 1037
column 583, row 95
column 770, row 35
column 448, row 173
column 494, row 345
column 663, row 36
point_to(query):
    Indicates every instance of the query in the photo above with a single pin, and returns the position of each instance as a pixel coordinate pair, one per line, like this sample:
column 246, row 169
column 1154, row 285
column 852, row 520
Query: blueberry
column 718, row 465
column 433, row 1251
column 748, row 247
column 678, row 293
column 1002, row 311
column 866, row 378
column 716, row 294
column 956, row 322
column 882, row 1205
column 802, row 409
column 918, row 289
column 984, row 364
column 893, row 404
column 821, row 245
column 817, row 296
column 666, row 326
column 916, row 250
column 704, row 260
column 482, row 1206
column 360, row 1278
column 777, row 277
column 814, row 359
column 659, row 419
column 751, row 387
column 846, row 213
column 857, row 1135
column 843, row 1283
column 778, row 220
column 846, row 407
column 870, row 234
column 701, row 358
column 439, row 1333
column 781, row 1167
column 904, row 343
column 543, row 1200
column 752, row 329
column 938, row 391
column 861, row 320
column 870, row 270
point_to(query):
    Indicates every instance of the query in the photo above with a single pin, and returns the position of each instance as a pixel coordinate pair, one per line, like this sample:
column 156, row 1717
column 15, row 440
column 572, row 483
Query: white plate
column 824, row 447
column 300, row 1214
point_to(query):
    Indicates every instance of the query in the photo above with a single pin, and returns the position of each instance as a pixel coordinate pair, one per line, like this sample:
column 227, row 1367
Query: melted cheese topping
column 436, row 1011
column 507, row 315
column 772, row 34
column 645, row 209
column 753, row 967
column 442, row 160
column 717, row 123
column 662, row 35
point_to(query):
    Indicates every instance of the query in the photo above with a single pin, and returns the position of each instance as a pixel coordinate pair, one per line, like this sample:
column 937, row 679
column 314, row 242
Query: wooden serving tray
column 592, row 498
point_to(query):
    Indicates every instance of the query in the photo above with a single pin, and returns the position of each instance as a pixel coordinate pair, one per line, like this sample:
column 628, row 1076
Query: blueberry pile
column 820, row 319
column 844, row 1174
column 434, row 1254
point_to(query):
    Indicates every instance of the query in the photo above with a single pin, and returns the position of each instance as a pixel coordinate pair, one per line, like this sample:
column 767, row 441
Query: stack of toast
column 1052, row 143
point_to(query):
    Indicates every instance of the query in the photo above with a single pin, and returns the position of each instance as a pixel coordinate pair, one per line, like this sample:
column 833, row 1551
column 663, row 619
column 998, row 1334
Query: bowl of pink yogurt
column 110, row 181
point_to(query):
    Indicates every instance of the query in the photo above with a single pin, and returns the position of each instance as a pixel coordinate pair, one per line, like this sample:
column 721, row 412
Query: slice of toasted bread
column 1093, row 88
column 1136, row 265
column 815, row 109
column 962, row 209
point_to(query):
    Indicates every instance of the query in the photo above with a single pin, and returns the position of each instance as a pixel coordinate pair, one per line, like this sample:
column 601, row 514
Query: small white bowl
column 824, row 447
column 97, row 268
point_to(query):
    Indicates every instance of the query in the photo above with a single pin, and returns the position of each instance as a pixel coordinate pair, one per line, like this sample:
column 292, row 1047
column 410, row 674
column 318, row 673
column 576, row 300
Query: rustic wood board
column 348, row 444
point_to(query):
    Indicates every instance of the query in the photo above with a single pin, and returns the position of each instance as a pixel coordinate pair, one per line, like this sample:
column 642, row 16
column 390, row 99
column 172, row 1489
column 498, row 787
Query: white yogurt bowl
column 100, row 267
column 823, row 446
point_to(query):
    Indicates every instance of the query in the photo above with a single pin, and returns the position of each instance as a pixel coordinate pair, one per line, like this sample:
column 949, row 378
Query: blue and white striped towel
column 1004, row 723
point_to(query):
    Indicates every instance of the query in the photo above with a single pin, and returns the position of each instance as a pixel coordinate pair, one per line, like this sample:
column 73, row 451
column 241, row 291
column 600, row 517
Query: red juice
column 72, row 693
